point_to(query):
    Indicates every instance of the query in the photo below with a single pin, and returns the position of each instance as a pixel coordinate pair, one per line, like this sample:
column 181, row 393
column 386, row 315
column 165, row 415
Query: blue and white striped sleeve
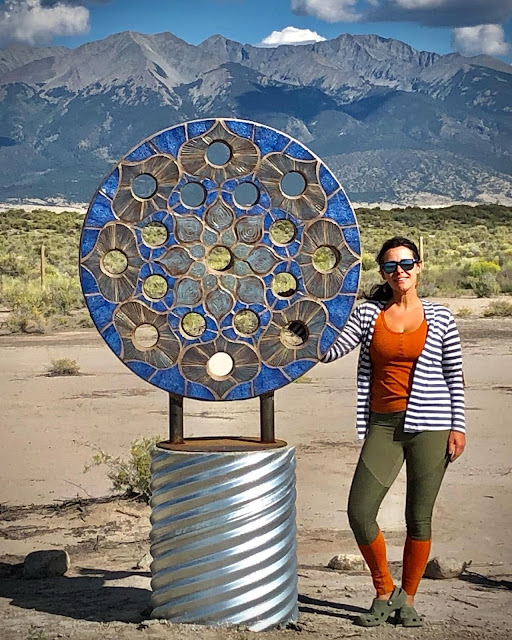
column 453, row 375
column 348, row 339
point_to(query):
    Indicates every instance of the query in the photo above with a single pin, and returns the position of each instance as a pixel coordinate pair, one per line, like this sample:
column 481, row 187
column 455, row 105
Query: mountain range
column 393, row 123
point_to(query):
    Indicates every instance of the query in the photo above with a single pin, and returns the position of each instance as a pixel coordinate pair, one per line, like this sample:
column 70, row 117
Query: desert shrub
column 63, row 367
column 504, row 279
column 447, row 281
column 85, row 322
column 498, row 308
column 477, row 268
column 131, row 476
column 27, row 299
column 26, row 319
column 36, row 633
column 485, row 285
column 368, row 280
column 427, row 283
column 368, row 261
column 64, row 295
column 464, row 312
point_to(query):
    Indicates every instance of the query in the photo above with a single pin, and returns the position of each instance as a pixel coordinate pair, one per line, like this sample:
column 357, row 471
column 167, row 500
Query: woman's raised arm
column 349, row 338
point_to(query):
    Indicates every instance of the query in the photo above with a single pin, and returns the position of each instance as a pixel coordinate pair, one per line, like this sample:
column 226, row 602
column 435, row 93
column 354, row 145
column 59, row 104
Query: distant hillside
column 395, row 124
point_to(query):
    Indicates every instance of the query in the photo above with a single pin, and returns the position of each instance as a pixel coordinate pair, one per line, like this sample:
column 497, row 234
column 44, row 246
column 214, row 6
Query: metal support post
column 175, row 419
column 267, row 428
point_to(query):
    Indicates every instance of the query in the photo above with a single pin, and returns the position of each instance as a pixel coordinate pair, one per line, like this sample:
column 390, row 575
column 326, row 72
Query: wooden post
column 421, row 248
column 43, row 267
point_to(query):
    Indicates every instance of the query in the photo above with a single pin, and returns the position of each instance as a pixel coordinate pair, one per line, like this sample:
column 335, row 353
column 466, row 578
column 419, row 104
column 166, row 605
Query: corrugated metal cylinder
column 223, row 537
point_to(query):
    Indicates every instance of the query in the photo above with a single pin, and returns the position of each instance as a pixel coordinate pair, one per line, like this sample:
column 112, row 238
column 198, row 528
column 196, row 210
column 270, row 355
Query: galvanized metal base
column 223, row 537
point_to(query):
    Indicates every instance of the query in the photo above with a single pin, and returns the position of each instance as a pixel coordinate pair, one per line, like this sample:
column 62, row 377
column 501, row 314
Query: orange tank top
column 393, row 356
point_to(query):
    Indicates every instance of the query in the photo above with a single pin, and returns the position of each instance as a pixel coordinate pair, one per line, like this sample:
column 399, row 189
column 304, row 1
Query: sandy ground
column 50, row 428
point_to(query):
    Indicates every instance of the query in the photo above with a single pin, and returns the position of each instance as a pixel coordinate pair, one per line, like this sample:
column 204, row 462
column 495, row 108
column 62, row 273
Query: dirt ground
column 51, row 426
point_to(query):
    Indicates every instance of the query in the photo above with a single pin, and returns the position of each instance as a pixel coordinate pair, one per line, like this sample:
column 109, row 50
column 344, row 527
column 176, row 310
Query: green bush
column 64, row 367
column 30, row 302
column 479, row 267
column 368, row 261
column 131, row 477
column 464, row 312
column 499, row 308
column 504, row 279
column 485, row 285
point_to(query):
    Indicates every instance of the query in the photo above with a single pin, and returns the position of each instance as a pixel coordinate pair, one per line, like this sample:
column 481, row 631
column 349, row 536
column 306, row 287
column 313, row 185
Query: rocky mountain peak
column 389, row 119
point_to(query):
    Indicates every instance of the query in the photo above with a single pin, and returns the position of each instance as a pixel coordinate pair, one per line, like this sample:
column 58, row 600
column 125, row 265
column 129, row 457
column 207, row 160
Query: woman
column 410, row 407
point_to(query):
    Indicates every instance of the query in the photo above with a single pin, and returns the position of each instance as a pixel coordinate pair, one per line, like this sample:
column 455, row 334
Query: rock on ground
column 46, row 564
column 347, row 562
column 444, row 568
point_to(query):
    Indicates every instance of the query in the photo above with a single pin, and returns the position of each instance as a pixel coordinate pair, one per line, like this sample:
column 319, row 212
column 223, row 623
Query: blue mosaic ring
column 220, row 259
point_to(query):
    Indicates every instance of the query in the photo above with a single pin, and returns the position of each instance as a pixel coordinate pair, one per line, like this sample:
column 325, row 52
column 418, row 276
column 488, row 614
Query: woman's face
column 401, row 281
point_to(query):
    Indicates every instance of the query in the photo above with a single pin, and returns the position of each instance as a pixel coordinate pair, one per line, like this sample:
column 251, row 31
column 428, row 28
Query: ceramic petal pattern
column 244, row 155
column 325, row 233
column 115, row 237
column 131, row 208
column 164, row 353
column 311, row 202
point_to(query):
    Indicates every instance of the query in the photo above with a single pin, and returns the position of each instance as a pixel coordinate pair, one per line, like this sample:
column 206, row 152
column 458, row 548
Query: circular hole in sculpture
column 219, row 258
column 144, row 186
column 220, row 365
column 218, row 153
column 155, row 287
column 284, row 285
column 193, row 324
column 325, row 259
column 282, row 231
column 193, row 194
column 246, row 194
column 294, row 334
column 246, row 322
column 154, row 234
column 145, row 336
column 293, row 184
column 114, row 262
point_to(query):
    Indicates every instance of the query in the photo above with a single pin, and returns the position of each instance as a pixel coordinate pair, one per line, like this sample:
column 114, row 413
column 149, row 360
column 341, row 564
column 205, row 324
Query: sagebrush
column 63, row 367
column 130, row 476
column 499, row 309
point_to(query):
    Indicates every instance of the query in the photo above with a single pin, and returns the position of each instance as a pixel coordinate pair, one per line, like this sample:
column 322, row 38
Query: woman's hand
column 456, row 444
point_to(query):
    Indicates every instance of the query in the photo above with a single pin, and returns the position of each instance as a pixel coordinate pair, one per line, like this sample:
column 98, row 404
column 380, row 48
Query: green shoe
column 407, row 616
column 381, row 609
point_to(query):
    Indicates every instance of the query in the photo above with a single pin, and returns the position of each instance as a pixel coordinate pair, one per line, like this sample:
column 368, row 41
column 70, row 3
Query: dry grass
column 63, row 367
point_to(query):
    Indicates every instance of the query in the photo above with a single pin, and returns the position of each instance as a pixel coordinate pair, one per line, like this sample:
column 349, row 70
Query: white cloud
column 30, row 22
column 328, row 10
column 291, row 35
column 484, row 38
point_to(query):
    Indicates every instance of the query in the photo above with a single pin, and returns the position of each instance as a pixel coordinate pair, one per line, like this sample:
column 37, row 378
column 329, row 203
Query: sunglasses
column 392, row 265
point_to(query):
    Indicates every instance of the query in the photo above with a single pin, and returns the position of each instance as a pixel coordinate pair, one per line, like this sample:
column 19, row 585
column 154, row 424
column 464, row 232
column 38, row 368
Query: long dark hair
column 383, row 292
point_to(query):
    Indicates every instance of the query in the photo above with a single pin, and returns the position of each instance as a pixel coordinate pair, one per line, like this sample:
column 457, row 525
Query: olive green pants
column 385, row 448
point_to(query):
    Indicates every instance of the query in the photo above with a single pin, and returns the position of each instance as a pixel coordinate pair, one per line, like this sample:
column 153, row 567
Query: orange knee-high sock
column 416, row 554
column 375, row 556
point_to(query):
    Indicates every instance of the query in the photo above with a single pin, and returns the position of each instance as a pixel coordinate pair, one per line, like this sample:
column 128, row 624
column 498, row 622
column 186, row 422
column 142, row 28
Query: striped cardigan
column 436, row 400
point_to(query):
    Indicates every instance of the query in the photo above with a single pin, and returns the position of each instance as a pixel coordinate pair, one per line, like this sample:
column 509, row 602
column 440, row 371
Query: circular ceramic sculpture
column 220, row 259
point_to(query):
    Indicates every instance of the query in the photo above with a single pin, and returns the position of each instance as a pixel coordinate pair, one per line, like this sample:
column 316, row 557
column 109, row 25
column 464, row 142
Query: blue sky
column 467, row 26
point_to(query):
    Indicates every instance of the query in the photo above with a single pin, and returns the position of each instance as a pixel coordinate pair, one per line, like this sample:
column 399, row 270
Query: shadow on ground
column 484, row 582
column 321, row 607
column 85, row 597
